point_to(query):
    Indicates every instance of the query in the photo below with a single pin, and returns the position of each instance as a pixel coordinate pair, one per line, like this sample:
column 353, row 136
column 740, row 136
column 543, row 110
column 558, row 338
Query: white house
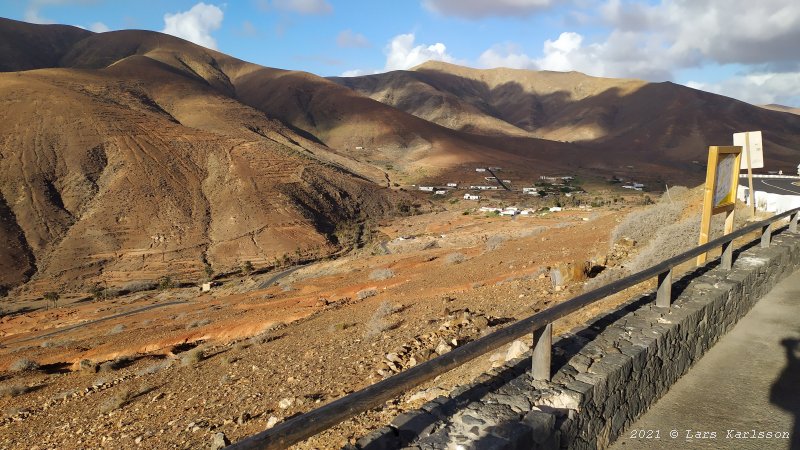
column 484, row 188
column 490, row 209
column 426, row 188
column 555, row 209
column 471, row 197
column 452, row 185
column 507, row 181
column 442, row 192
column 528, row 190
column 480, row 169
column 359, row 148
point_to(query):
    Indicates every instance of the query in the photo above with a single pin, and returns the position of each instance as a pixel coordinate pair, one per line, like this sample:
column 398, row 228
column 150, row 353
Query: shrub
column 139, row 286
column 24, row 365
column 641, row 226
column 673, row 240
column 455, row 258
column 121, row 398
column 381, row 274
column 379, row 322
column 99, row 293
column 493, row 243
column 153, row 368
column 198, row 323
column 209, row 271
column 165, row 282
column 88, row 366
column 192, row 356
column 366, row 293
column 247, row 268
column 13, row 390
column 52, row 297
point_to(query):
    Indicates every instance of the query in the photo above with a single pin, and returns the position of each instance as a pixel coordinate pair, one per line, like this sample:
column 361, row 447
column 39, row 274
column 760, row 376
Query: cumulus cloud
column 99, row 27
column 656, row 41
column 758, row 88
column 477, row 9
column 401, row 53
column 298, row 6
column 506, row 55
column 354, row 73
column 195, row 25
column 348, row 38
column 722, row 31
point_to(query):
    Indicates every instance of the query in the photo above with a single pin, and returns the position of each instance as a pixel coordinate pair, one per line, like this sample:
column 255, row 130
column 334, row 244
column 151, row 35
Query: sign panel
column 719, row 195
column 750, row 141
column 723, row 192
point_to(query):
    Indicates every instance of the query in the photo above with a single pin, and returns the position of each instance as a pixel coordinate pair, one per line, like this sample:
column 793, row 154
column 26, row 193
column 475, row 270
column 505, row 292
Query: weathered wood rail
column 539, row 325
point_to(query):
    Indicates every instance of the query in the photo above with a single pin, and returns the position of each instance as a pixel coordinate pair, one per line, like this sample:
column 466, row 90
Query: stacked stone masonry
column 606, row 374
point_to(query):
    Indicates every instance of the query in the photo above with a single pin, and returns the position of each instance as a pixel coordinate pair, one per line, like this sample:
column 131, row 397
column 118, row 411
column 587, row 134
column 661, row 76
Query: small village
column 502, row 189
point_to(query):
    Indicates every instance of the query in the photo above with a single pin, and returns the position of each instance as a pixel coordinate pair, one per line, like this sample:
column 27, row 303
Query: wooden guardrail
column 540, row 325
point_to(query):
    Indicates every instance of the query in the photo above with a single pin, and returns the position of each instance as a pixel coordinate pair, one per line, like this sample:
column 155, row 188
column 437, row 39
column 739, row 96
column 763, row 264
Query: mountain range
column 133, row 154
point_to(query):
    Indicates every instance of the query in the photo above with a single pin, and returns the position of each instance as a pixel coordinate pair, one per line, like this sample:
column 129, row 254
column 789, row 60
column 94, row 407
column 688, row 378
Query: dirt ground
column 171, row 368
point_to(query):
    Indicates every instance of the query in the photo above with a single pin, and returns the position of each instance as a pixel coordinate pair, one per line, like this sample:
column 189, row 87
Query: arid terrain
column 135, row 167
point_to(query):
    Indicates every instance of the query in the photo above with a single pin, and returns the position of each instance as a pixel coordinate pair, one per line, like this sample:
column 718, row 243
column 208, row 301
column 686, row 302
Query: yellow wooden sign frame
column 728, row 204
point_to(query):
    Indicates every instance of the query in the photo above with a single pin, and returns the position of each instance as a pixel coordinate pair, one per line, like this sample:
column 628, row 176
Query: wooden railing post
column 766, row 235
column 664, row 292
column 793, row 222
column 726, row 261
column 542, row 352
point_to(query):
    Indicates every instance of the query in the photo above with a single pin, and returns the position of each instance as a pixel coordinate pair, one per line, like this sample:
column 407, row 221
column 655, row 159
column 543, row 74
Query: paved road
column 102, row 319
column 750, row 380
column 783, row 186
column 278, row 276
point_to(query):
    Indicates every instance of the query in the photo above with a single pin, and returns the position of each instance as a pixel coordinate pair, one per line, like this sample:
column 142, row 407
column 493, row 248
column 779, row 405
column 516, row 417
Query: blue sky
column 741, row 48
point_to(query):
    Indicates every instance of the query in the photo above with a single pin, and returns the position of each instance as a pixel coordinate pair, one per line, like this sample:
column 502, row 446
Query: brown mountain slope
column 639, row 121
column 146, row 167
column 24, row 46
column 781, row 108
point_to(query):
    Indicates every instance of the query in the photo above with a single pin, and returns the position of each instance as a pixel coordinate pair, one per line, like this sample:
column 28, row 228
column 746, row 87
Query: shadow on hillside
column 659, row 123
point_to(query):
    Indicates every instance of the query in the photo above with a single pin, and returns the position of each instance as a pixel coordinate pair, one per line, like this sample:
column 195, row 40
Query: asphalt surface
column 102, row 319
column 782, row 186
column 749, row 381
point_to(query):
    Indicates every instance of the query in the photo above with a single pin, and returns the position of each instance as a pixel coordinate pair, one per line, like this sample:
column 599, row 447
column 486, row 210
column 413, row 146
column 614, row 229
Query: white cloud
column 401, row 53
column 348, row 38
column 298, row 6
column 354, row 73
column 99, row 27
column 757, row 88
column 195, row 25
column 691, row 33
column 476, row 9
column 506, row 55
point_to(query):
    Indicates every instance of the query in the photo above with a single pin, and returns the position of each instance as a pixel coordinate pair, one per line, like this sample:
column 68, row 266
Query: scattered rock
column 443, row 347
column 517, row 349
column 272, row 422
column 427, row 394
column 220, row 441
column 286, row 403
